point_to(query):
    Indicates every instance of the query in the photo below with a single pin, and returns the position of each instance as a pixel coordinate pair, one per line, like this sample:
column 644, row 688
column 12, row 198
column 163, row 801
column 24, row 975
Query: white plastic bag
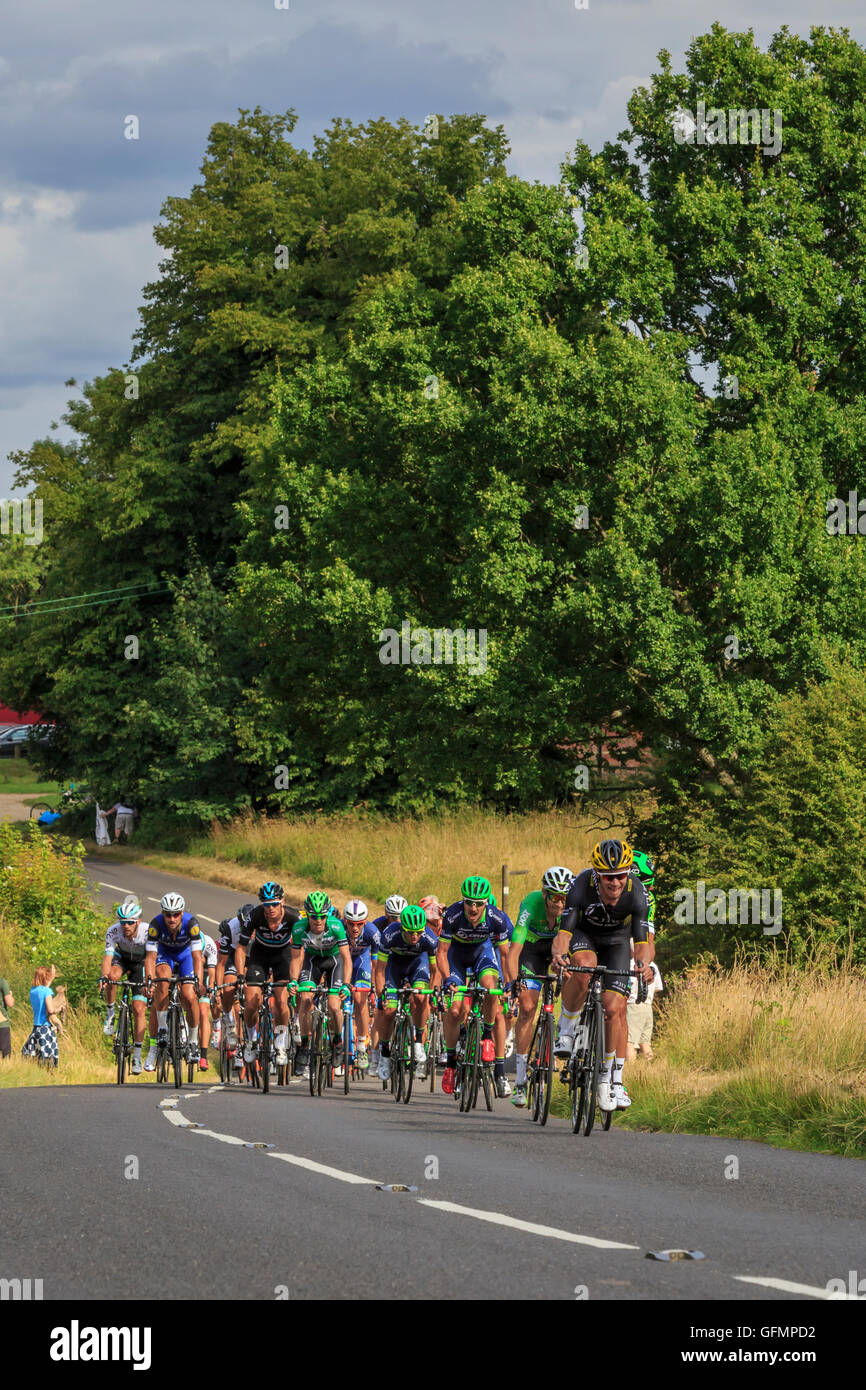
column 102, row 835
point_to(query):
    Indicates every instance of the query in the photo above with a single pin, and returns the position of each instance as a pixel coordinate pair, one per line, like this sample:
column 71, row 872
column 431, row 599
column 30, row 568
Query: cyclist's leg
column 615, row 956
column 581, row 951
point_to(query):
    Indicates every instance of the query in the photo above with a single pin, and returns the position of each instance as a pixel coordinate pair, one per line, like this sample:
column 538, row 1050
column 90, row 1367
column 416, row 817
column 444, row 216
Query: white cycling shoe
column 563, row 1045
column 420, row 1054
column 606, row 1098
column 384, row 1071
column 281, row 1056
column 150, row 1059
column 251, row 1051
column 621, row 1096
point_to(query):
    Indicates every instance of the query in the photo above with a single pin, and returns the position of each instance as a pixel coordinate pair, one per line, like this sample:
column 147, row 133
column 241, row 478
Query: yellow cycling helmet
column 611, row 856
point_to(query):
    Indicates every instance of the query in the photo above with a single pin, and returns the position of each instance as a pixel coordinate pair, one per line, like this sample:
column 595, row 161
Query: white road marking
column 116, row 886
column 786, row 1286
column 497, row 1218
column 500, row 1219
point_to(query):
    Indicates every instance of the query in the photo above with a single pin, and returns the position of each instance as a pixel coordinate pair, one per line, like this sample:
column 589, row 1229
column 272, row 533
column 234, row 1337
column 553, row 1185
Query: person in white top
column 640, row 1017
column 123, row 819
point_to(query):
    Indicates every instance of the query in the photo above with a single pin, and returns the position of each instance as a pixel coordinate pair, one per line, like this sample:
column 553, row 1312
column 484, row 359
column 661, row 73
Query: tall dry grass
column 373, row 856
column 771, row 1051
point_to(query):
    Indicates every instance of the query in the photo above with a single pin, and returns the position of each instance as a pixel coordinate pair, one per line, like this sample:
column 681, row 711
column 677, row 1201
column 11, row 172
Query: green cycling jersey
column 531, row 924
column 323, row 943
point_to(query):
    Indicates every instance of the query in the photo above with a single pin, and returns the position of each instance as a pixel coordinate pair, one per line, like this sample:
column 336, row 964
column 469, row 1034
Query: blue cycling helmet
column 271, row 892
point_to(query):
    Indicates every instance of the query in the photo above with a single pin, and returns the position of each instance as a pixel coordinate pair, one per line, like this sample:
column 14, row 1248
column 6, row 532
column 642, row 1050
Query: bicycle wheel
column 408, row 1054
column 315, row 1045
column 591, row 1066
column 225, row 1060
column 434, row 1047
column 174, row 1046
column 545, row 1068
column 162, row 1065
column 121, row 1042
column 323, row 1060
column 265, row 1026
column 487, row 1083
column 469, row 1091
column 348, row 1048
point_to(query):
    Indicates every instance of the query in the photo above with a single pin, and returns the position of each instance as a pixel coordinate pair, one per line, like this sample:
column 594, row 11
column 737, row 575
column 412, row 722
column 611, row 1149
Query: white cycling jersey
column 208, row 951
column 115, row 937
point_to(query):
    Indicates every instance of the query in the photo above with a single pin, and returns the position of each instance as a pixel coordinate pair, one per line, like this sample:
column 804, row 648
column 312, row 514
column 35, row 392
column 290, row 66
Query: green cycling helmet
column 645, row 867
column 317, row 904
column 476, row 888
column 413, row 918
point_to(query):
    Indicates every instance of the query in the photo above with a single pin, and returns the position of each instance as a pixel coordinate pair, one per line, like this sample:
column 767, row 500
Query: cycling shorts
column 317, row 968
column 475, row 958
column 132, row 969
column 612, row 950
column 180, row 961
column 535, row 963
column 362, row 971
column 406, row 970
column 265, row 962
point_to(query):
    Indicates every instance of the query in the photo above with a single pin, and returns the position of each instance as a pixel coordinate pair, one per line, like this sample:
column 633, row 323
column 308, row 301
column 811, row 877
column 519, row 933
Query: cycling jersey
column 229, row 936
column 323, row 943
column 275, row 938
column 584, row 909
column 495, row 925
column 394, row 943
column 531, row 924
column 367, row 938
column 208, row 951
column 165, row 942
column 131, row 948
column 380, row 923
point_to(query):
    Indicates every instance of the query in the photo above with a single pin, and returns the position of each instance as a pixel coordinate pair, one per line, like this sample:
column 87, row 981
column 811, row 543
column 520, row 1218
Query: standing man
column 123, row 819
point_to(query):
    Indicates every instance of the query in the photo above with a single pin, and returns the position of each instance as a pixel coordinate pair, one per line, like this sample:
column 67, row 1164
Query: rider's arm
column 346, row 958
column 150, row 954
column 640, row 933
column 296, row 962
column 379, row 962
column 221, row 969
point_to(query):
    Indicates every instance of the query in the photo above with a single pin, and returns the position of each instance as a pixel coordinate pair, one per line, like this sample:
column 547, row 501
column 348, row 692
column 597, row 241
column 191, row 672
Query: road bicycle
column 124, row 1024
column 540, row 1059
column 170, row 1053
column 472, row 1072
column 230, row 1072
column 581, row 1071
column 321, row 1052
column 435, row 1040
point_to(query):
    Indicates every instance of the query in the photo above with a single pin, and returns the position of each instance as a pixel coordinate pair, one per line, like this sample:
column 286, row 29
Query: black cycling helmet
column 246, row 912
column 611, row 856
column 270, row 892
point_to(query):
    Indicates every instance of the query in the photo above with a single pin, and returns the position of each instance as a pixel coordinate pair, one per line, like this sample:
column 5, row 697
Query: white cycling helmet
column 130, row 911
column 557, row 880
column 356, row 911
column 172, row 902
column 395, row 904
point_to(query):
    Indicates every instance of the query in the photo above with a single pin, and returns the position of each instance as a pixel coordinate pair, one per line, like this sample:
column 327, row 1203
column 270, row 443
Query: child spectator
column 42, row 1043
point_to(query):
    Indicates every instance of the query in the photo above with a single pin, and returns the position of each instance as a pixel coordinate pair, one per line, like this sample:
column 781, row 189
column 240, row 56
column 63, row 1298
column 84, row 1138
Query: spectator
column 640, row 1016
column 123, row 819
column 6, row 1002
column 42, row 1043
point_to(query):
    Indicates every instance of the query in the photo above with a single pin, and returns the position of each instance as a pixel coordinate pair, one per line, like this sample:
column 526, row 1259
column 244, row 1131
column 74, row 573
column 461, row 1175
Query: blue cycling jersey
column 368, row 937
column 394, row 943
column 495, row 925
column 187, row 934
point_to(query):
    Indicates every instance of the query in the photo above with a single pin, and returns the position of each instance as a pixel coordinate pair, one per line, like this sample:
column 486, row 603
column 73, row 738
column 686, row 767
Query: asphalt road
column 109, row 1195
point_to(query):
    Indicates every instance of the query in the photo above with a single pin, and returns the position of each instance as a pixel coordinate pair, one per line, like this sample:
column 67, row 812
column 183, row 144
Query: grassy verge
column 17, row 777
column 770, row 1053
column 373, row 856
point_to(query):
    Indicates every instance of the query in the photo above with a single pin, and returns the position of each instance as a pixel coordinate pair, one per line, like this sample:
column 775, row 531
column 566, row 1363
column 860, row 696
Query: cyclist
column 174, row 948
column 209, row 957
column 363, row 938
column 406, row 955
column 471, row 927
column 125, row 943
column 267, row 932
column 393, row 907
column 319, row 949
column 227, row 974
column 645, row 869
column 605, row 906
column 529, row 959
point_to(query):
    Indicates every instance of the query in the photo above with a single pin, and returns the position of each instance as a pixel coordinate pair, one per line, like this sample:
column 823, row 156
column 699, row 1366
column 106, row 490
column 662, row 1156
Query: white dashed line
column 115, row 887
column 500, row 1219
column 786, row 1286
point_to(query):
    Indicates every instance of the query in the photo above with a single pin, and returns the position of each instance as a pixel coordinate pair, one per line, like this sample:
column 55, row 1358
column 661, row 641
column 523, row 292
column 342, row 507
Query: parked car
column 19, row 735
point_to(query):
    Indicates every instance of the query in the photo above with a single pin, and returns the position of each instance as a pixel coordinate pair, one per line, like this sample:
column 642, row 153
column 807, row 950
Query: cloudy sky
column 78, row 201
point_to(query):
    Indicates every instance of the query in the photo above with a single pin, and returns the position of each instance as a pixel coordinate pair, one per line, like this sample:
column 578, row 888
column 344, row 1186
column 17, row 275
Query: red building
column 10, row 716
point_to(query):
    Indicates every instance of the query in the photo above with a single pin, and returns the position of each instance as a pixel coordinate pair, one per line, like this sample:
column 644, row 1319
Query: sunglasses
column 172, row 914
column 616, row 878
